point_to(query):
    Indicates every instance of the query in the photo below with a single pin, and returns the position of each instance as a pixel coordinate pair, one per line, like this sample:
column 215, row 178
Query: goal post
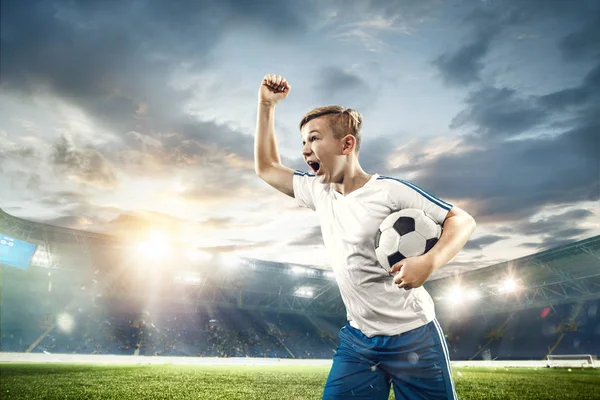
column 572, row 361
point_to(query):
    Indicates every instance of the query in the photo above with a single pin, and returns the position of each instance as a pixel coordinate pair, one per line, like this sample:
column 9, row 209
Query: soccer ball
column 405, row 233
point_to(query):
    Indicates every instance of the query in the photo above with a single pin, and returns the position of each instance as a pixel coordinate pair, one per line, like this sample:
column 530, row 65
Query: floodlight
column 304, row 292
column 65, row 322
column 455, row 295
column 154, row 250
column 190, row 279
column 508, row 286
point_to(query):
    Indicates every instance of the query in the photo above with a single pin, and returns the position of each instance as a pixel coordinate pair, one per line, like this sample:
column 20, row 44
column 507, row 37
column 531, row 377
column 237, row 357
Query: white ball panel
column 389, row 241
column 426, row 227
column 388, row 222
column 412, row 244
column 382, row 258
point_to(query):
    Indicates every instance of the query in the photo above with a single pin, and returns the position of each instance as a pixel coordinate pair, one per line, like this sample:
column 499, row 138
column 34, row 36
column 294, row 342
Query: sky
column 128, row 117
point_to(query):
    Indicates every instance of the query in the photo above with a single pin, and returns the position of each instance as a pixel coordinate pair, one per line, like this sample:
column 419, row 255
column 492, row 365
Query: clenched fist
column 273, row 89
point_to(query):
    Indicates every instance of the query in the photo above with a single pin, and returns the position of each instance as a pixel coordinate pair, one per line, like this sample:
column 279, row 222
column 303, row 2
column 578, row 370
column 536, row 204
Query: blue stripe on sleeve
column 443, row 204
column 300, row 173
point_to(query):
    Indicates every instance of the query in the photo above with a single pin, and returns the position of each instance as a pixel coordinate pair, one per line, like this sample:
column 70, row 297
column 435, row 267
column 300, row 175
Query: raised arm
column 267, row 162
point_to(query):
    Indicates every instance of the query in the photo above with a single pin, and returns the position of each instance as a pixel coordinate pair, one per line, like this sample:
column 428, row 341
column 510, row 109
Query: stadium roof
column 567, row 273
column 563, row 274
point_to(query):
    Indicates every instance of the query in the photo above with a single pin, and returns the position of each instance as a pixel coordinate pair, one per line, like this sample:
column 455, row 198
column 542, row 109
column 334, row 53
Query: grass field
column 76, row 381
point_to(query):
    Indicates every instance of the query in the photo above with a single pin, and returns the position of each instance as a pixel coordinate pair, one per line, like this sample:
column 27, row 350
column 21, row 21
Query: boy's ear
column 349, row 143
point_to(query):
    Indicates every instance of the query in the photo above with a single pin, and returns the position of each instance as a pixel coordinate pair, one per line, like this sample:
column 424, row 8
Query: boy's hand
column 273, row 89
column 412, row 272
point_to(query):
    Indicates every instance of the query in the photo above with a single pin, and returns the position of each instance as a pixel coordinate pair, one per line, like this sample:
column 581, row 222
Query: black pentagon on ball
column 404, row 225
column 394, row 258
column 377, row 237
column 429, row 244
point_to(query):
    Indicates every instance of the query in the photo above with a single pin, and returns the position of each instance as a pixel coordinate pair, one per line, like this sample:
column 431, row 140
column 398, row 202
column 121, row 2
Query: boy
column 392, row 336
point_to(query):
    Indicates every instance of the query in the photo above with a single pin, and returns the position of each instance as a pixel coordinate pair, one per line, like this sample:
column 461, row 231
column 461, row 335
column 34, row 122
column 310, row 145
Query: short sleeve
column 304, row 189
column 407, row 195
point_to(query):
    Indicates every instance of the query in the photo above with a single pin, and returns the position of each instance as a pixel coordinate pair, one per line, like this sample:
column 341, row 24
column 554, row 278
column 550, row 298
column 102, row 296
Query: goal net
column 572, row 360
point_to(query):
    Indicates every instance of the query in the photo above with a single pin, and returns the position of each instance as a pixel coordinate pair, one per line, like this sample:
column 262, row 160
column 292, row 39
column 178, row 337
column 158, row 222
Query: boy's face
column 322, row 151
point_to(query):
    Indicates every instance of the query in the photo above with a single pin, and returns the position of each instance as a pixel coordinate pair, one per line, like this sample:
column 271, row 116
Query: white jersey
column 374, row 304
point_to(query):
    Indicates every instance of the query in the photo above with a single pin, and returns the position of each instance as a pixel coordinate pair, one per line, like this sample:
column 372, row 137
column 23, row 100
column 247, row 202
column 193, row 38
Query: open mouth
column 315, row 166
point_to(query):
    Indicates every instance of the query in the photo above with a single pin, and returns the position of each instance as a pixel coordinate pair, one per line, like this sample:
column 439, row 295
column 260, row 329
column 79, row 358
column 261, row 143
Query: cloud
column 484, row 22
column 372, row 24
column 70, row 221
column 511, row 179
column 375, row 153
column 86, row 166
column 483, row 241
column 337, row 85
column 585, row 42
column 312, row 238
column 587, row 93
column 62, row 198
column 565, row 223
column 487, row 22
column 116, row 60
column 556, row 240
column 233, row 248
column 463, row 66
column 499, row 112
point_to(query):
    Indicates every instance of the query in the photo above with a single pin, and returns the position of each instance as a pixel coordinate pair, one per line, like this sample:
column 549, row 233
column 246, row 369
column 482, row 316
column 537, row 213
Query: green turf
column 75, row 381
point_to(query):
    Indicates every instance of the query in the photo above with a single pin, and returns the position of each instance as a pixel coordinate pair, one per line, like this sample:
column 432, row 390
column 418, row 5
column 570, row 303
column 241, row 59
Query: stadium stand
column 83, row 293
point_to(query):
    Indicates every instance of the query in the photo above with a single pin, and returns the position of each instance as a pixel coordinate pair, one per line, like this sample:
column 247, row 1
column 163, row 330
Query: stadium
column 87, row 315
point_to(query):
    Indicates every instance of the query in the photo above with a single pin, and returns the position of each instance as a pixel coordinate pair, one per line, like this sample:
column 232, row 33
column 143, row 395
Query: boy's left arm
column 414, row 271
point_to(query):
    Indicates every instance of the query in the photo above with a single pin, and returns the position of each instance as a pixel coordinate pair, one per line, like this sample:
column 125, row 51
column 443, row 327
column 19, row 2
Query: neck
column 353, row 179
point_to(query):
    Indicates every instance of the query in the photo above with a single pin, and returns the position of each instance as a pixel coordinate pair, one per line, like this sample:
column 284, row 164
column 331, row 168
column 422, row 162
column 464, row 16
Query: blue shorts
column 415, row 362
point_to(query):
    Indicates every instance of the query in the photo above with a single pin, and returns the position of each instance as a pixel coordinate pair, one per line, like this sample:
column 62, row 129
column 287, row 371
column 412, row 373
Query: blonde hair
column 343, row 121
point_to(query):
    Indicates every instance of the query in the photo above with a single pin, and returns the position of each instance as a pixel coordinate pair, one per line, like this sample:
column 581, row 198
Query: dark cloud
column 499, row 112
column 555, row 230
column 512, row 179
column 463, row 66
column 552, row 241
column 561, row 225
column 313, row 238
column 85, row 165
column 113, row 58
column 586, row 94
column 480, row 243
column 375, row 152
column 584, row 42
column 336, row 85
column 486, row 22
